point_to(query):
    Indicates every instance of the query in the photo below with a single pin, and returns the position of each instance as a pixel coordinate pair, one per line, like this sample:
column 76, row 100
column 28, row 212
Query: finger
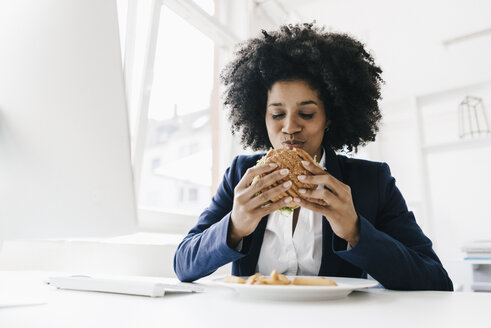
column 270, row 194
column 324, row 179
column 322, row 209
column 336, row 186
column 255, row 171
column 315, row 170
column 312, row 168
column 320, row 196
column 320, row 202
column 267, row 181
column 272, row 207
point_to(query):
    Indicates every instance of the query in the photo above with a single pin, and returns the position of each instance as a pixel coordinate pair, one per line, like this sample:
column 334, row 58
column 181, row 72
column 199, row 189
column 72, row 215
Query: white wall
column 407, row 39
column 458, row 171
column 444, row 179
column 428, row 70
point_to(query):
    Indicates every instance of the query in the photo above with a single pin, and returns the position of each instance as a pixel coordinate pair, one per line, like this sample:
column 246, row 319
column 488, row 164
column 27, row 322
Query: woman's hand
column 334, row 203
column 249, row 200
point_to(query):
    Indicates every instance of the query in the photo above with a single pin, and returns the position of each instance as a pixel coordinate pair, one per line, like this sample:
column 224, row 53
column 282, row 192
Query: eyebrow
column 302, row 103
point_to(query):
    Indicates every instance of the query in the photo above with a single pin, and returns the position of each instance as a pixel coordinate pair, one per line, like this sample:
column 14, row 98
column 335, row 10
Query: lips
column 290, row 144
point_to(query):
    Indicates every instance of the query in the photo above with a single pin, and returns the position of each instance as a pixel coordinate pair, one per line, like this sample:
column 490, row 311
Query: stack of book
column 479, row 255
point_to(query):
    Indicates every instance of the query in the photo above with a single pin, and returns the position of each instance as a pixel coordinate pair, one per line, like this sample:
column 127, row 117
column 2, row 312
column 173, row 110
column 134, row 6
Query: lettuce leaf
column 286, row 211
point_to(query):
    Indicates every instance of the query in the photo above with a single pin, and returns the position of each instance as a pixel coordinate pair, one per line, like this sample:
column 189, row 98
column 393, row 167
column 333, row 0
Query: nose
column 291, row 125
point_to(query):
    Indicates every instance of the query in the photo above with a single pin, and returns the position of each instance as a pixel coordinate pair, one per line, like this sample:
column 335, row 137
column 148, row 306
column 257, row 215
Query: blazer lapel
column 332, row 165
column 331, row 264
column 252, row 244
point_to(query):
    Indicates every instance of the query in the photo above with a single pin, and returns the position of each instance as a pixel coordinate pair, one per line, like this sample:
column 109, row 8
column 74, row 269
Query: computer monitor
column 65, row 167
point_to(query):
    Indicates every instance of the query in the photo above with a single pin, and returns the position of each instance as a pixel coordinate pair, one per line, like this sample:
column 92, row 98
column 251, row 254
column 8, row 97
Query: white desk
column 223, row 308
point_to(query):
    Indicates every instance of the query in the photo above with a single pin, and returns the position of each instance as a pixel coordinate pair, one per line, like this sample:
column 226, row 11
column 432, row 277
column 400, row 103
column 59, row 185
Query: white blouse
column 299, row 254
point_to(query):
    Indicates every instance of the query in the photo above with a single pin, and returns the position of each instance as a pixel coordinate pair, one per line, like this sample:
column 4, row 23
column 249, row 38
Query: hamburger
column 288, row 159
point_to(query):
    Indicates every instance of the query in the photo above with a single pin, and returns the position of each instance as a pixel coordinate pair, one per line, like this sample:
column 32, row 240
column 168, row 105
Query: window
column 171, row 69
column 178, row 130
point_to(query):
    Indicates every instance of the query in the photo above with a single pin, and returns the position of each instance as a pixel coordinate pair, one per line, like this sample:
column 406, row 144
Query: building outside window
column 178, row 129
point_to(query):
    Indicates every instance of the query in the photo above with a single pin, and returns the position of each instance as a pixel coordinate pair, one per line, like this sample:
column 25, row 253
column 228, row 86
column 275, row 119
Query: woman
column 304, row 87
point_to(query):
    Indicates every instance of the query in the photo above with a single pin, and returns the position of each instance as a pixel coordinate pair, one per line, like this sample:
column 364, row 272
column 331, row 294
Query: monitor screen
column 65, row 164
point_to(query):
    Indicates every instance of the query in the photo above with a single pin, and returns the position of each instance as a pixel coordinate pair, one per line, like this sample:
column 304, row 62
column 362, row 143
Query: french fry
column 262, row 280
column 283, row 279
column 308, row 281
column 274, row 275
column 252, row 279
column 276, row 278
column 234, row 279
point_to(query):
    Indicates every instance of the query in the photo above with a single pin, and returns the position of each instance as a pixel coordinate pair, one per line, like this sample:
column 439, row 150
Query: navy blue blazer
column 392, row 248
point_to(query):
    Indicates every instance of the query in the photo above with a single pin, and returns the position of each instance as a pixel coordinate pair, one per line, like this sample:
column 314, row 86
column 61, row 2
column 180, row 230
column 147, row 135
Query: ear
column 328, row 124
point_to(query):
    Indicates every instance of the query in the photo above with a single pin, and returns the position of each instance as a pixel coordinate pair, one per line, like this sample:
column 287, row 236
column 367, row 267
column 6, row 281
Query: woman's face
column 295, row 117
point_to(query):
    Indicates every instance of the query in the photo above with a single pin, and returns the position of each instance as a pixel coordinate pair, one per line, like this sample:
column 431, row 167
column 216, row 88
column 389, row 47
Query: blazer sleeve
column 394, row 249
column 205, row 248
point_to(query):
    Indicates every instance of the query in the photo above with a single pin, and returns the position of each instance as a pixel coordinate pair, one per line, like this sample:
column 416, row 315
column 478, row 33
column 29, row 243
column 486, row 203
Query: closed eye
column 277, row 116
column 307, row 116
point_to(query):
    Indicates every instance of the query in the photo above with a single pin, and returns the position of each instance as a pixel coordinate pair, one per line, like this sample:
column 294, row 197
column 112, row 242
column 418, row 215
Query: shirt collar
column 322, row 162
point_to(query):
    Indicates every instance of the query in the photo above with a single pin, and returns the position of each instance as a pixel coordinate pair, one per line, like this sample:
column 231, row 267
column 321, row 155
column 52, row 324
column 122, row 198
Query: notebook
column 156, row 287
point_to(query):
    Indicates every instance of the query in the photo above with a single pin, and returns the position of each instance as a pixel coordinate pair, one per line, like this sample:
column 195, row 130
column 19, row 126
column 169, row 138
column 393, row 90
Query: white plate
column 299, row 293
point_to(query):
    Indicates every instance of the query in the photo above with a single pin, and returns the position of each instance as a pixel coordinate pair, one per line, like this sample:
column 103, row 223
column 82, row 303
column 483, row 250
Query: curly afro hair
column 335, row 65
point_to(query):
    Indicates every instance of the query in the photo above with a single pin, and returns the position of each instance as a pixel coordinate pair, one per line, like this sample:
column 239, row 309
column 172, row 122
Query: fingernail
column 287, row 200
column 301, row 177
column 297, row 200
column 305, row 163
column 287, row 184
column 284, row 172
column 302, row 191
column 273, row 165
